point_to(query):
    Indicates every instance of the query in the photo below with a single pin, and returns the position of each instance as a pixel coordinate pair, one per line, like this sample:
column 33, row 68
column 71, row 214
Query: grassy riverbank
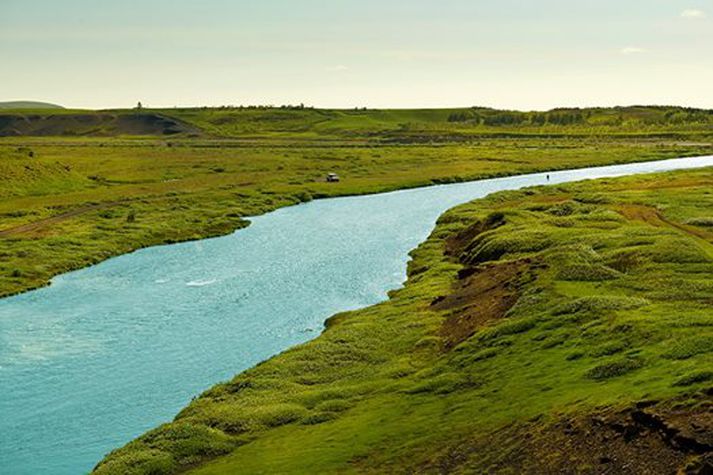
column 84, row 186
column 563, row 328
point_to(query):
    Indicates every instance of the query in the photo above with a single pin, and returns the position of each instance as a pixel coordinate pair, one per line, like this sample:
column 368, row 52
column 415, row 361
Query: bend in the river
column 110, row 351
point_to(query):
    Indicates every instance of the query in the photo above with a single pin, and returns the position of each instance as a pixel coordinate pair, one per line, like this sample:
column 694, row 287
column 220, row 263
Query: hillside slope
column 99, row 124
column 374, row 125
column 28, row 105
column 563, row 329
column 439, row 125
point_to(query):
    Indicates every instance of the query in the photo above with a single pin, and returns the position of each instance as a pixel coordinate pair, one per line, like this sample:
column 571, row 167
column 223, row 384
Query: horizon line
column 352, row 108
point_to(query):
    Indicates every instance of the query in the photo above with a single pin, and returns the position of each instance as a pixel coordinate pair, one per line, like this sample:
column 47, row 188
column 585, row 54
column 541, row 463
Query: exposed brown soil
column 642, row 440
column 653, row 217
column 457, row 243
column 483, row 294
column 645, row 214
column 100, row 124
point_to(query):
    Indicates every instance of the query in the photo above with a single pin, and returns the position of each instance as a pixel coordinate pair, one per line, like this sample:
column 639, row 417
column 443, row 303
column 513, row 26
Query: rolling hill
column 28, row 105
column 95, row 124
column 376, row 125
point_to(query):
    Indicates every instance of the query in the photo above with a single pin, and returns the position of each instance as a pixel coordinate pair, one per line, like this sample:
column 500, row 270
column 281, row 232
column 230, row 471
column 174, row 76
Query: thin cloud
column 629, row 50
column 693, row 14
column 338, row 68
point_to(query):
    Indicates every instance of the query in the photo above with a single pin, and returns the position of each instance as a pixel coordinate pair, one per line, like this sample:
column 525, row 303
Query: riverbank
column 67, row 203
column 572, row 316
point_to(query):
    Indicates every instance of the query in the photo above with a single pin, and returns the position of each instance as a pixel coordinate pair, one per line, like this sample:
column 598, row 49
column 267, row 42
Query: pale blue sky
column 343, row 53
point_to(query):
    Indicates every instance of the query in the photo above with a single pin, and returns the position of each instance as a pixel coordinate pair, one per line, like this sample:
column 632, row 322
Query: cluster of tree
column 465, row 116
column 26, row 151
column 688, row 116
column 636, row 115
column 557, row 118
column 505, row 118
column 497, row 118
column 259, row 107
column 297, row 107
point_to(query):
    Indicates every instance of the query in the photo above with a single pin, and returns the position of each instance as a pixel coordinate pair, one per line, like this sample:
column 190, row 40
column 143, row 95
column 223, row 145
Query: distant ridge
column 31, row 123
column 28, row 105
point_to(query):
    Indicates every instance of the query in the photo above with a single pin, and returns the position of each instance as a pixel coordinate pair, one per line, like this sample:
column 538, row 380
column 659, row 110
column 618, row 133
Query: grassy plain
column 563, row 329
column 77, row 193
column 531, row 321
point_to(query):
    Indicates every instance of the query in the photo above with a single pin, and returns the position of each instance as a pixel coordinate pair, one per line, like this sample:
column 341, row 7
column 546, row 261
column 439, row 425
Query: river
column 107, row 352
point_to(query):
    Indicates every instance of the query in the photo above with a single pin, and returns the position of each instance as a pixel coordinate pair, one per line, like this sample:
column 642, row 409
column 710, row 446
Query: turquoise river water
column 107, row 352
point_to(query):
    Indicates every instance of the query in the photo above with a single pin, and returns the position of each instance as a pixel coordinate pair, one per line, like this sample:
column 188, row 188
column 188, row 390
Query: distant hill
column 427, row 125
column 98, row 124
column 28, row 105
column 384, row 125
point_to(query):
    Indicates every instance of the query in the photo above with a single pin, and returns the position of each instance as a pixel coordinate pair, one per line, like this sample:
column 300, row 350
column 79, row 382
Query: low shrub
column 137, row 461
column 695, row 378
column 493, row 245
column 189, row 442
column 400, row 369
column 600, row 303
column 609, row 349
column 468, row 358
column 585, row 272
column 109, row 214
column 690, row 347
column 677, row 251
column 563, row 209
column 238, row 420
column 279, row 414
column 319, row 418
column 512, row 327
column 442, row 384
column 614, row 368
column 705, row 222
column 602, row 216
column 592, row 198
column 334, row 405
column 429, row 342
column 626, row 260
column 303, row 196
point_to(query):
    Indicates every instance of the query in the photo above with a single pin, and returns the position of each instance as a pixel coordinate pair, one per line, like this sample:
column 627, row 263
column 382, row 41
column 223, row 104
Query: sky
column 517, row 54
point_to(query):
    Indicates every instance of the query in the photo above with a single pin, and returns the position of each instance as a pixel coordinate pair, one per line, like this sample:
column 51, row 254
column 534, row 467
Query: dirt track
column 46, row 222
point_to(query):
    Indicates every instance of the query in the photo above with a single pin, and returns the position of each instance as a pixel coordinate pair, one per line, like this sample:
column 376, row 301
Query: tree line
column 654, row 115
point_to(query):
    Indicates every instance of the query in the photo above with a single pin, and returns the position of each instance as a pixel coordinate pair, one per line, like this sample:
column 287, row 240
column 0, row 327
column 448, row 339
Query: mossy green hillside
column 610, row 303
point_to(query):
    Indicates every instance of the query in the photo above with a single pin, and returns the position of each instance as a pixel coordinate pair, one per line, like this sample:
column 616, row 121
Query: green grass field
column 83, row 188
column 563, row 329
column 575, row 316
